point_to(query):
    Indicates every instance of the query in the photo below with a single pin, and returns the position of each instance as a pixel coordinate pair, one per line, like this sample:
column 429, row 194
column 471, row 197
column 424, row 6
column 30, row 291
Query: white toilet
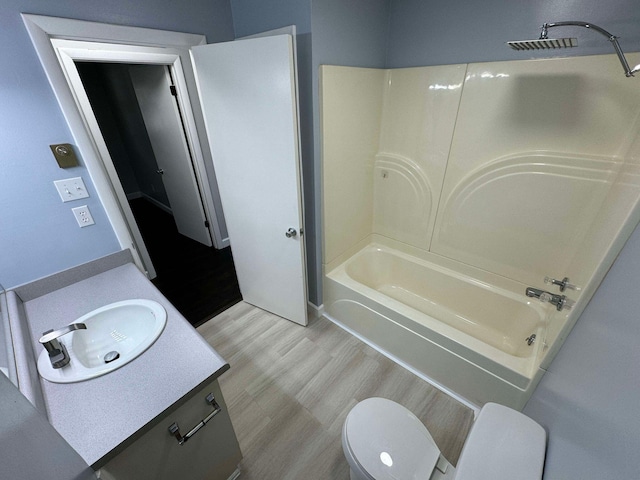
column 383, row 440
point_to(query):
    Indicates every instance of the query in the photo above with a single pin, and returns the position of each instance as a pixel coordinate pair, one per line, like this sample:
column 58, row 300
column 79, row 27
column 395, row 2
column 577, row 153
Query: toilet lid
column 389, row 442
column 503, row 444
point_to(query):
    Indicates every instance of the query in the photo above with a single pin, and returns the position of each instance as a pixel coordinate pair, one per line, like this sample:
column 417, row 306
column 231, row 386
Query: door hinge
column 173, row 90
column 206, row 223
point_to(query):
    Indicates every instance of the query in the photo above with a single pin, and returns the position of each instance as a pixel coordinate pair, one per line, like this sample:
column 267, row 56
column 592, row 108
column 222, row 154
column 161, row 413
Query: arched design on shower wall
column 533, row 169
column 524, row 216
column 403, row 200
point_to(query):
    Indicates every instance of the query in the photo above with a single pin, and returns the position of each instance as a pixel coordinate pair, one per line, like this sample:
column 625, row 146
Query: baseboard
column 134, row 195
column 313, row 311
column 160, row 205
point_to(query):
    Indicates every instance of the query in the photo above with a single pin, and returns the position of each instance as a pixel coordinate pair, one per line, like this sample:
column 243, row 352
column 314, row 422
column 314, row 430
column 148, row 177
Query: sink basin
column 127, row 328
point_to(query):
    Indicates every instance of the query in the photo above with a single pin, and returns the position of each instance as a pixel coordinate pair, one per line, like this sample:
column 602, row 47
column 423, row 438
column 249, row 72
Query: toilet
column 383, row 440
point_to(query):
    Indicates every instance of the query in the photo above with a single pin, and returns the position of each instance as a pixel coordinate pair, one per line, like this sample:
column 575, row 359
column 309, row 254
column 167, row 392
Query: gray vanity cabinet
column 212, row 453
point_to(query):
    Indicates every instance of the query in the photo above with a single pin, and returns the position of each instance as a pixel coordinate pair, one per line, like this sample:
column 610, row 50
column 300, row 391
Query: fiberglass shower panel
column 418, row 119
column 537, row 149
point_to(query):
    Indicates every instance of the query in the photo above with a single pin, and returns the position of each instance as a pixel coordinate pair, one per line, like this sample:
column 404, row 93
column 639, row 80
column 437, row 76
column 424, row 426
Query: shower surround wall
column 499, row 173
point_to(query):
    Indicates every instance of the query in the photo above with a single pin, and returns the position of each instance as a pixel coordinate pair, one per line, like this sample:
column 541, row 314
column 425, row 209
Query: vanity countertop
column 101, row 416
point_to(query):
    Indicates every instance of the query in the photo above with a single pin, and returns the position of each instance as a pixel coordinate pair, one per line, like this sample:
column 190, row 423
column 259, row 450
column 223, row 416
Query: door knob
column 160, row 171
column 291, row 233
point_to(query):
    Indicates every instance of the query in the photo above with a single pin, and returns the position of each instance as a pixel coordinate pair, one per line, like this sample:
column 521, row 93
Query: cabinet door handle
column 174, row 429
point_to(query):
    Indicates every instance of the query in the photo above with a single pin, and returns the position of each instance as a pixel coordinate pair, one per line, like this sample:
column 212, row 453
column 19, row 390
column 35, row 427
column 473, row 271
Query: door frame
column 70, row 51
column 145, row 46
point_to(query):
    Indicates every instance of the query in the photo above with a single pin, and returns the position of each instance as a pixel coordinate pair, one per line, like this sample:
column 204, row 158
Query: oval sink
column 115, row 335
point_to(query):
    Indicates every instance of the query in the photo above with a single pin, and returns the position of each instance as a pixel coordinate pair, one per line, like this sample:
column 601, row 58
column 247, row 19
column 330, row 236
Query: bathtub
column 463, row 329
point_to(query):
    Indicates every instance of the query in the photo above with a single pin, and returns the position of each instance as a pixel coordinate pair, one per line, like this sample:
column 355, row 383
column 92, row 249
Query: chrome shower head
column 543, row 44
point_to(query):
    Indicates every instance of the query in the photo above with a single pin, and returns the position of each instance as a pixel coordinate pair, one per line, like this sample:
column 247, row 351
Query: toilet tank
column 503, row 444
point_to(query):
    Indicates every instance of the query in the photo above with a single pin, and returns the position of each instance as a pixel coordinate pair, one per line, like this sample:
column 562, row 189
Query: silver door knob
column 160, row 171
column 291, row 233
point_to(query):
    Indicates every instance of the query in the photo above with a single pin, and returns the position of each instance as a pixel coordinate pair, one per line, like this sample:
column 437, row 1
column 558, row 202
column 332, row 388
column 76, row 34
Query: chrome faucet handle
column 560, row 301
column 51, row 336
column 563, row 284
column 58, row 354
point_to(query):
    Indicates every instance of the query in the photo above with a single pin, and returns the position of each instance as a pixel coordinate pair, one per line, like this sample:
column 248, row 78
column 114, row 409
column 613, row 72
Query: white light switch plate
column 71, row 189
column 83, row 216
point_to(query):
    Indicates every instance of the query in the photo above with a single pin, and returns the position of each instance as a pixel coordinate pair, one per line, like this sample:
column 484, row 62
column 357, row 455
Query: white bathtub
column 465, row 330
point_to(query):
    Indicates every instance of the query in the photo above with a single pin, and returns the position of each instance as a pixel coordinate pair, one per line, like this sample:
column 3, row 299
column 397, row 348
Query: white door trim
column 43, row 30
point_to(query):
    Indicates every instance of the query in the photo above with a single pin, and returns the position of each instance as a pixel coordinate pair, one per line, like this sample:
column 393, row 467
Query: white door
column 248, row 95
column 162, row 118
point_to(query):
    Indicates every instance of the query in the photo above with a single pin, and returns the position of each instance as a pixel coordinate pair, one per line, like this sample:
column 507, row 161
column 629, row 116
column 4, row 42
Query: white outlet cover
column 71, row 189
column 83, row 216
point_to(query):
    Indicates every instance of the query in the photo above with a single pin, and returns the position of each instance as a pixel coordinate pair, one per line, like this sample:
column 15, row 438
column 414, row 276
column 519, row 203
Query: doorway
column 197, row 278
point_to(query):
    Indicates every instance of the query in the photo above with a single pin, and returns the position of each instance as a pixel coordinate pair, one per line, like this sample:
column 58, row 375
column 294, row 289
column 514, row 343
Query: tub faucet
column 58, row 354
column 560, row 301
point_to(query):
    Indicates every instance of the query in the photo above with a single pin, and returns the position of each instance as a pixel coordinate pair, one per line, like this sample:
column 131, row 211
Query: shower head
column 545, row 43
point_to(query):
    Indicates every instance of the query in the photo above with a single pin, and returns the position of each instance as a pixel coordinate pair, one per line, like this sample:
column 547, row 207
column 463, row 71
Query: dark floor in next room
column 199, row 281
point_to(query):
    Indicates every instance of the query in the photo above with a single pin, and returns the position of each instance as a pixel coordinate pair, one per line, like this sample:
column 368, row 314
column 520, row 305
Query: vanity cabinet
column 212, row 453
column 119, row 422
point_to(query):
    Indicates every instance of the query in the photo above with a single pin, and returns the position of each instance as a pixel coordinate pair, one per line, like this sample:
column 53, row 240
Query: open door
column 248, row 96
column 162, row 119
column 249, row 103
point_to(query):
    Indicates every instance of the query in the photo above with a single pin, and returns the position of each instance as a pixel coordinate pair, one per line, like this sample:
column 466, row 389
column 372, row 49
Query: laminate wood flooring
column 290, row 388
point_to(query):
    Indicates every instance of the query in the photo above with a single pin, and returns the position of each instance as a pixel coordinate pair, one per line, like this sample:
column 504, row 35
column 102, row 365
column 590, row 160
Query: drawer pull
column 175, row 430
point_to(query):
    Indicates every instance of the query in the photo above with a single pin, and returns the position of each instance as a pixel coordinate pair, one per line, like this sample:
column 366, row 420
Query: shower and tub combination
column 470, row 211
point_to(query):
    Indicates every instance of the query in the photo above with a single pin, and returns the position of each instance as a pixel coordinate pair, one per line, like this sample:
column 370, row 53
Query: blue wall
column 352, row 33
column 38, row 233
column 439, row 33
column 256, row 16
column 588, row 399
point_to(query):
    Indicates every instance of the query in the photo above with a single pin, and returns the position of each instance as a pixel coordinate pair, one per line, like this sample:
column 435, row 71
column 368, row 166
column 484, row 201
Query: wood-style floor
column 290, row 388
column 199, row 280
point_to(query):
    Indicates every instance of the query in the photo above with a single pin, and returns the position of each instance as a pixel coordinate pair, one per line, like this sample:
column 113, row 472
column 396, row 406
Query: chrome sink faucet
column 58, row 354
column 560, row 301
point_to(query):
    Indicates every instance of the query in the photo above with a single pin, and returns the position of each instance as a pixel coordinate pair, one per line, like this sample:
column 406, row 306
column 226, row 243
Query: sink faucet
column 560, row 301
column 58, row 354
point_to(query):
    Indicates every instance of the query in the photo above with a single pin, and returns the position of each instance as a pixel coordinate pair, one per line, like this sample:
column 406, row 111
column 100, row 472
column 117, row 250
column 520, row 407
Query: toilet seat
column 372, row 434
column 382, row 440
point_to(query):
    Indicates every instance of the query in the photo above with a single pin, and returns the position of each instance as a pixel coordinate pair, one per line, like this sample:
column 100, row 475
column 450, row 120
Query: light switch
column 83, row 216
column 71, row 189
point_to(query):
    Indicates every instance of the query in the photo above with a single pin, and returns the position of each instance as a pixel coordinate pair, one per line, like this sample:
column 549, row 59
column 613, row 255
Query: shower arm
column 612, row 38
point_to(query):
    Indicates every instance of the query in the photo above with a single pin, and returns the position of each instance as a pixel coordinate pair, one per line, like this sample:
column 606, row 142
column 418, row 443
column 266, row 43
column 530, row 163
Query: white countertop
column 96, row 416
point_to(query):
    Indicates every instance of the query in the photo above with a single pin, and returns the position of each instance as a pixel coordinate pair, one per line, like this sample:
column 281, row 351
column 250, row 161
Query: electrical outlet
column 71, row 189
column 83, row 216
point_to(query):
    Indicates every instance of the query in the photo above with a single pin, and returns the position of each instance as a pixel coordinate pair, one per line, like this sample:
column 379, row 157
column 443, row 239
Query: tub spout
column 534, row 292
column 560, row 301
